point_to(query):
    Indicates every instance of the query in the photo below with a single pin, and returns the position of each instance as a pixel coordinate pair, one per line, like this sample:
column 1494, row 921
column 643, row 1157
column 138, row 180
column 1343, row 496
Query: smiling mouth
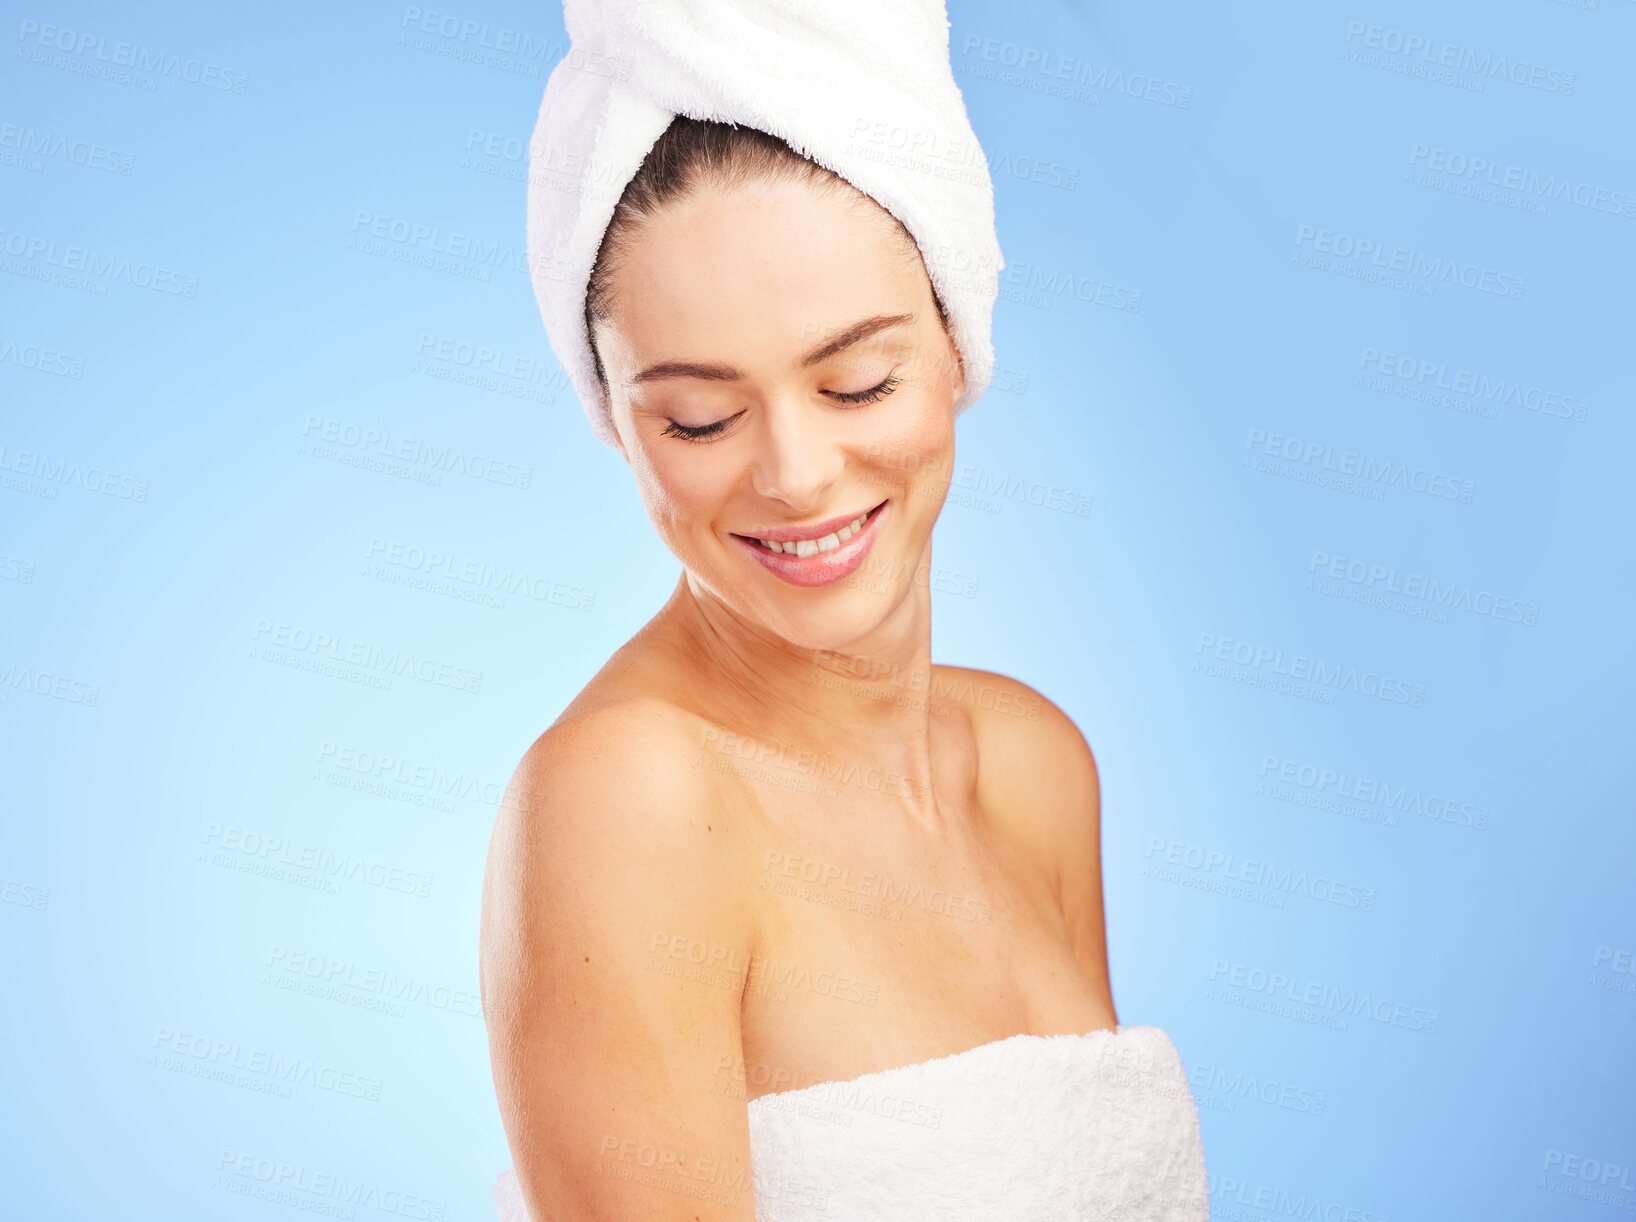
column 802, row 548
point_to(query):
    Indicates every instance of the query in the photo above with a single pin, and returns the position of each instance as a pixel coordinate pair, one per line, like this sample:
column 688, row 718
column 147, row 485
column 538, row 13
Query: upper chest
column 881, row 941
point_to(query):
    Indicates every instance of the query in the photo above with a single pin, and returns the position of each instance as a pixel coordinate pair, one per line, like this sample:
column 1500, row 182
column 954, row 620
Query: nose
column 797, row 457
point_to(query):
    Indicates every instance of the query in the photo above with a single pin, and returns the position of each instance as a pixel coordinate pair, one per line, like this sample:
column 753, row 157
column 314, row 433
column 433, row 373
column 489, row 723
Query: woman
column 781, row 920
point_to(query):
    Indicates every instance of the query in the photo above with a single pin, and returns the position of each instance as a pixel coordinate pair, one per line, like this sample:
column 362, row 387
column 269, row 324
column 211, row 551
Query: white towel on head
column 862, row 87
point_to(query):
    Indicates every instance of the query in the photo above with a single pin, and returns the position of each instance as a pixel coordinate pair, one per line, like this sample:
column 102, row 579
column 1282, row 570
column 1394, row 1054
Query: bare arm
column 614, row 946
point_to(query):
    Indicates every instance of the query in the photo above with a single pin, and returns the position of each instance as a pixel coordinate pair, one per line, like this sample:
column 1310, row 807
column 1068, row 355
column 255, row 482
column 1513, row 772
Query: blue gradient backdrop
column 1303, row 489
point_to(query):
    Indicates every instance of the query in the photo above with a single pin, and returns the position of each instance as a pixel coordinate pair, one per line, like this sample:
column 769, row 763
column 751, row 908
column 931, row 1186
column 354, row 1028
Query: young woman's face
column 776, row 369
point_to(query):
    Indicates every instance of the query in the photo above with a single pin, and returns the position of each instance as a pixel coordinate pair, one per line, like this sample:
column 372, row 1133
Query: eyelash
column 873, row 395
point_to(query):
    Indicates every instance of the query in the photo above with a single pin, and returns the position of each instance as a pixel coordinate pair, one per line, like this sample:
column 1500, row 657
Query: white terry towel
column 862, row 87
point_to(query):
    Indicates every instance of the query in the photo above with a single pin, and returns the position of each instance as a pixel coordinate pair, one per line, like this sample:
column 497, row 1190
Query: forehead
column 765, row 267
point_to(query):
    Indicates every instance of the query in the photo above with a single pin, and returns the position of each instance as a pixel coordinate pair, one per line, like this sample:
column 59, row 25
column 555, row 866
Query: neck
column 860, row 718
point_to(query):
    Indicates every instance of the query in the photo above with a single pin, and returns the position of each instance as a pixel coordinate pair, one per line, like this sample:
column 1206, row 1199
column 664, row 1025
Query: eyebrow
column 856, row 333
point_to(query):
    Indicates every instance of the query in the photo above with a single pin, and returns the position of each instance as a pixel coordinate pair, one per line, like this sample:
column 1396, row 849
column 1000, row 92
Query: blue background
column 152, row 742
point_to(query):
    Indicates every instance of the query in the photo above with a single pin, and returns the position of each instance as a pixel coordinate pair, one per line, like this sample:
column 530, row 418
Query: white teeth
column 811, row 547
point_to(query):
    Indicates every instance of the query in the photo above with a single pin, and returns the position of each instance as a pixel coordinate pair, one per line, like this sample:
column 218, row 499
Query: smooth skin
column 771, row 844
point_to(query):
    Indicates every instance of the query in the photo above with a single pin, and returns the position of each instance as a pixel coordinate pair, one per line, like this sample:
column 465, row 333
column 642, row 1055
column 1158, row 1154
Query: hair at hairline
column 689, row 154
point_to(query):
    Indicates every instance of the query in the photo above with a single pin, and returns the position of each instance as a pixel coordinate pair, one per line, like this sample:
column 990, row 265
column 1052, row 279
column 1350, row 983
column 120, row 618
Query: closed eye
column 703, row 431
column 871, row 395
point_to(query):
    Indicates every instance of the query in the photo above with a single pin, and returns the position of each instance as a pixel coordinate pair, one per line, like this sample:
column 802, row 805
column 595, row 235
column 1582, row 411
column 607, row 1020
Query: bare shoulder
column 605, row 800
column 1030, row 752
column 611, row 876
column 1038, row 772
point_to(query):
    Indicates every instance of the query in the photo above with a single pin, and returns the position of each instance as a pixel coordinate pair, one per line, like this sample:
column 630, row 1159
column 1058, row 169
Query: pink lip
column 821, row 568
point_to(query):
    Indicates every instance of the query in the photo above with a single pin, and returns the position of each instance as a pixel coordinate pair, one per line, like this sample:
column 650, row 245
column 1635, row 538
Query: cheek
column 681, row 497
column 917, row 441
